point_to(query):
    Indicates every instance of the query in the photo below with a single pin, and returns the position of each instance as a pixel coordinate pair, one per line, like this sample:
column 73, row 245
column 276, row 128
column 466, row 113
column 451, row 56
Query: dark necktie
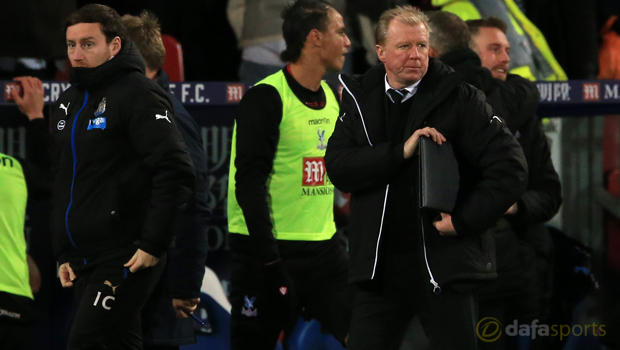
column 398, row 95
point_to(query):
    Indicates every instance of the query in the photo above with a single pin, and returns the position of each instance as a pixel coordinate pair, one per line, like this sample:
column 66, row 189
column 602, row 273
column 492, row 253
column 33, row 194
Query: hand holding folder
column 439, row 182
column 439, row 176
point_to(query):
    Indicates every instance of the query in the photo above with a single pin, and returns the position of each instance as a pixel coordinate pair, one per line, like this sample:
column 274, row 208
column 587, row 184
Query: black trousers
column 15, row 335
column 108, row 301
column 320, row 282
column 385, row 307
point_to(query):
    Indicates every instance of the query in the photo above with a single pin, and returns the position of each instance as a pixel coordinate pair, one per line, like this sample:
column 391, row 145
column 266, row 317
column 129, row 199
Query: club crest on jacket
column 101, row 109
column 248, row 307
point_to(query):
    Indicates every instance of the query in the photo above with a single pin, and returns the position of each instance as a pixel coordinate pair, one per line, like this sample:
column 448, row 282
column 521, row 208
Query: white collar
column 413, row 88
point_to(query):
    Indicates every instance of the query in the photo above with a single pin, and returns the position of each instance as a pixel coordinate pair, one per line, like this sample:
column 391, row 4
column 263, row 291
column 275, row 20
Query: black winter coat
column 187, row 256
column 122, row 174
column 516, row 100
column 491, row 166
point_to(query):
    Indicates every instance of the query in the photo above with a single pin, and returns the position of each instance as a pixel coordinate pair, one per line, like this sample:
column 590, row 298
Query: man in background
column 514, row 99
column 543, row 196
column 165, row 322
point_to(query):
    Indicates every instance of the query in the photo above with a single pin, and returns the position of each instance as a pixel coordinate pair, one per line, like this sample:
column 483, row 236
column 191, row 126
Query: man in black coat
column 165, row 318
column 520, row 235
column 402, row 263
column 122, row 178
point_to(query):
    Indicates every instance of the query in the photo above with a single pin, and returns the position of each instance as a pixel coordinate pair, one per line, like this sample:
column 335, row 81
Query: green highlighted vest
column 300, row 193
column 542, row 65
column 13, row 197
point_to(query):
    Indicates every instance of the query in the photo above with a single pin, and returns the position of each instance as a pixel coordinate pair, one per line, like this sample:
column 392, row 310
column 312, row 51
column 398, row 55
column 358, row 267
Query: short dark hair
column 107, row 17
column 300, row 19
column 145, row 32
column 449, row 32
column 474, row 25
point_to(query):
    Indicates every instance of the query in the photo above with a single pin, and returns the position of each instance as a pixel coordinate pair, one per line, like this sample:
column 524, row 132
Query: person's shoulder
column 525, row 85
column 71, row 91
column 4, row 156
column 463, row 93
column 135, row 85
column 360, row 85
column 373, row 78
column 471, row 92
column 179, row 110
column 10, row 161
column 437, row 69
column 261, row 93
column 70, row 95
column 517, row 79
column 445, row 82
column 133, row 80
column 473, row 73
column 440, row 77
column 521, row 82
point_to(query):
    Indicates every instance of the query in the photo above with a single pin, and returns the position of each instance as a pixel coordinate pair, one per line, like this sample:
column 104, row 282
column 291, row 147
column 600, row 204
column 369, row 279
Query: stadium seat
column 174, row 58
column 63, row 75
column 309, row 336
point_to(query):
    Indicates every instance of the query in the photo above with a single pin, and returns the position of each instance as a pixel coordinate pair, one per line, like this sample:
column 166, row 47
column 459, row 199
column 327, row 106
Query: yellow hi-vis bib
column 13, row 197
column 300, row 195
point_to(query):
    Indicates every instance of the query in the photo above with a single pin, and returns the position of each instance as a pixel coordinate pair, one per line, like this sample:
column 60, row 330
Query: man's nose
column 505, row 57
column 77, row 54
column 347, row 42
column 414, row 52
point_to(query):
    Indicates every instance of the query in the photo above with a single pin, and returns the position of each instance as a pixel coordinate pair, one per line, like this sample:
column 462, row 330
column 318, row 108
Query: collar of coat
column 436, row 86
column 128, row 60
column 440, row 80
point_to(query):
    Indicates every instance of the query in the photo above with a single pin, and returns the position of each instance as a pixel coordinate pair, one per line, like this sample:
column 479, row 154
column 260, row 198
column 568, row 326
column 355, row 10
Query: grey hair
column 407, row 14
column 449, row 32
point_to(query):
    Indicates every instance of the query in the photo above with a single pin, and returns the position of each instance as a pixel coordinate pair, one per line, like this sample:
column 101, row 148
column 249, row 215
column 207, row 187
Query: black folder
column 439, row 176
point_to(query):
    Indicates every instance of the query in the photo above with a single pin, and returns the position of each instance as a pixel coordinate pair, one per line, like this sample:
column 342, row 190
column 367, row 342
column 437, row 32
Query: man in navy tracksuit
column 122, row 176
column 165, row 319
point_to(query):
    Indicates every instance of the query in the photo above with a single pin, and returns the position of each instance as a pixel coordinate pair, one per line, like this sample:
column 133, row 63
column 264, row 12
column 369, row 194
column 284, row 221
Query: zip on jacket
column 436, row 287
column 73, row 153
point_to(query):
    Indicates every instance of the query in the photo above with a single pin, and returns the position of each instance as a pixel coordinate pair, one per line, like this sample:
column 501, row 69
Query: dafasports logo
column 489, row 329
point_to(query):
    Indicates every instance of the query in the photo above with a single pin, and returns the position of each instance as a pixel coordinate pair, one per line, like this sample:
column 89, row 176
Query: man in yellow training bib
column 280, row 201
column 21, row 179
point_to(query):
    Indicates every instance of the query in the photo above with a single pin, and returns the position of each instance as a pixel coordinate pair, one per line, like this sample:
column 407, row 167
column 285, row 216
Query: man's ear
column 380, row 52
column 315, row 38
column 115, row 45
column 433, row 53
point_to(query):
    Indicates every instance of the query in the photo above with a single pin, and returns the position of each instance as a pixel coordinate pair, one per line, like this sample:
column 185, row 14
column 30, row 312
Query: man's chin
column 335, row 68
column 414, row 78
column 500, row 76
